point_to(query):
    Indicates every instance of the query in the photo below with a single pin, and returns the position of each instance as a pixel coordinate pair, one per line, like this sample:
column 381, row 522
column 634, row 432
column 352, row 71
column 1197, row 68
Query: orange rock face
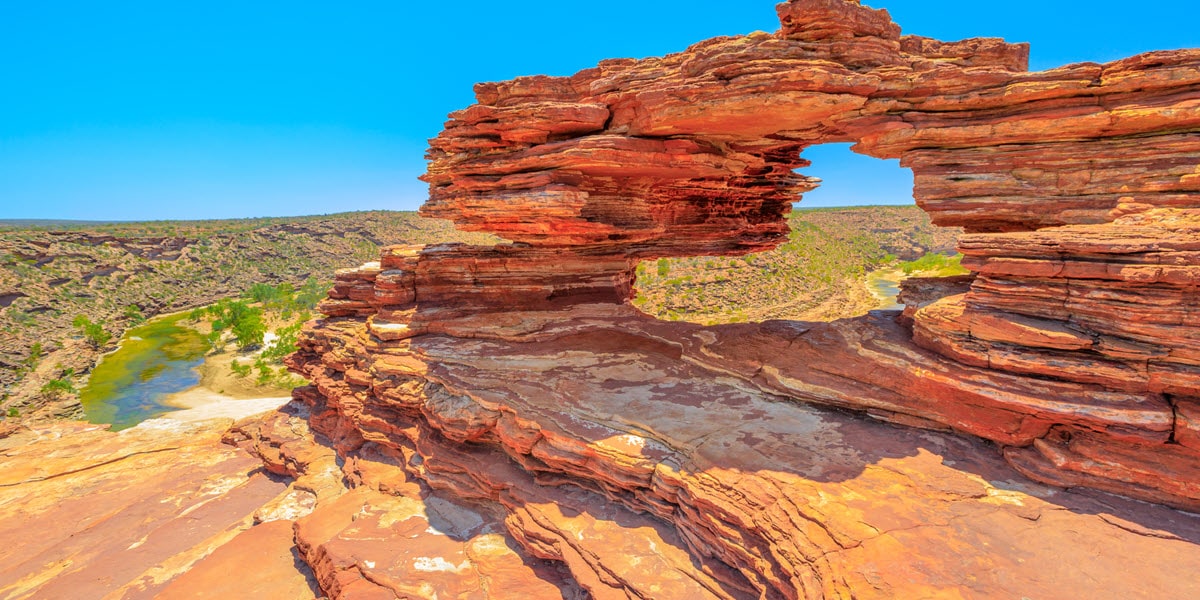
column 165, row 510
column 650, row 459
column 660, row 460
column 1079, row 189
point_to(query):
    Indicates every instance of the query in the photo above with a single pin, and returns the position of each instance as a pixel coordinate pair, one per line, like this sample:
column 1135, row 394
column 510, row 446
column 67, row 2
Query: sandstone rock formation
column 88, row 513
column 647, row 458
column 165, row 510
column 663, row 460
column 1079, row 189
column 584, row 449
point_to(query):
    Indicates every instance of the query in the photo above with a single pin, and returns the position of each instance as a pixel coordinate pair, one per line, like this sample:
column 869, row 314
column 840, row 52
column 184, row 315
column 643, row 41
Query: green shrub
column 239, row 369
column 93, row 332
column 264, row 293
column 215, row 340
column 36, row 352
column 285, row 343
column 265, row 373
column 62, row 385
column 133, row 312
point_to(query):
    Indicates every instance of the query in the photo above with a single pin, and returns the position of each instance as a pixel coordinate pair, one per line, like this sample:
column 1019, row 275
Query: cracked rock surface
column 645, row 475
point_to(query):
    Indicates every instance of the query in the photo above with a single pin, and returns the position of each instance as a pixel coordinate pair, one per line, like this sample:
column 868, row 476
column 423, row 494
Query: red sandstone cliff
column 661, row 460
column 1079, row 189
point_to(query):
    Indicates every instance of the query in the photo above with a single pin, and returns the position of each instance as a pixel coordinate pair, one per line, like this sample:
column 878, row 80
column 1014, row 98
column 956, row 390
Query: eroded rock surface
column 173, row 509
column 498, row 421
column 88, row 513
column 1078, row 189
column 874, row 457
column 636, row 453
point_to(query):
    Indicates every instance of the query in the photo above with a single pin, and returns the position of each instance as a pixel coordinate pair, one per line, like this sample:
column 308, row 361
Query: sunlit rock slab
column 86, row 513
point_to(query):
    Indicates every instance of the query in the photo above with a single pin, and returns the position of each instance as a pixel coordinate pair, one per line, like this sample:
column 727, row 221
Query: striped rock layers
column 502, row 372
column 1078, row 187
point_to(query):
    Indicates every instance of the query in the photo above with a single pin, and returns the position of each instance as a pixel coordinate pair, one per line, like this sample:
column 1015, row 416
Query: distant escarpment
column 889, row 456
column 118, row 274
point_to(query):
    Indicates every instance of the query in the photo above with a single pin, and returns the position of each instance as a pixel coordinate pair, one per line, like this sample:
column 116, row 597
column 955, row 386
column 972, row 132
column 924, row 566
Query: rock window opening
column 852, row 240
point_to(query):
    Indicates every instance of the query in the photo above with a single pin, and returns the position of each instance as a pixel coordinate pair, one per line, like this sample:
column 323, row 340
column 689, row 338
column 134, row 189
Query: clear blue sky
column 167, row 110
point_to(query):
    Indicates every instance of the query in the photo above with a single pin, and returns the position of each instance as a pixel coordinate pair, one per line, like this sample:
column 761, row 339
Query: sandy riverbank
column 200, row 404
column 217, row 375
column 222, row 394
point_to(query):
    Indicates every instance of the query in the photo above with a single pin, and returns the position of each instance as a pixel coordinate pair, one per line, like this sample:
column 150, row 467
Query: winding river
column 885, row 284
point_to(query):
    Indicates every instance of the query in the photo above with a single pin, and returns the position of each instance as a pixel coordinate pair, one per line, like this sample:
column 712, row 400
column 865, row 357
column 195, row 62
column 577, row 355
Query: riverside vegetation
column 69, row 290
column 277, row 311
column 234, row 347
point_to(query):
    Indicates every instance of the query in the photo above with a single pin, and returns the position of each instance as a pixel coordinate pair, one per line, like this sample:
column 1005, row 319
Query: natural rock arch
column 1077, row 188
column 1076, row 349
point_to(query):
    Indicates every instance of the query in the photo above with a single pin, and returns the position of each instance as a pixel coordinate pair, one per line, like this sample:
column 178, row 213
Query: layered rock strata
column 665, row 460
column 1078, row 187
column 165, row 510
column 518, row 376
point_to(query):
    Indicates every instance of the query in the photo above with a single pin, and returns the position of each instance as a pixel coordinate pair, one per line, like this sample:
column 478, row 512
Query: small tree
column 241, row 319
column 249, row 330
column 215, row 340
column 94, row 332
column 58, row 387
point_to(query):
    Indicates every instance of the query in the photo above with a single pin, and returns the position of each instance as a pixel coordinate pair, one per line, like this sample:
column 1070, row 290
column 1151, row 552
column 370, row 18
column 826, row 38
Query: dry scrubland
column 818, row 275
column 117, row 275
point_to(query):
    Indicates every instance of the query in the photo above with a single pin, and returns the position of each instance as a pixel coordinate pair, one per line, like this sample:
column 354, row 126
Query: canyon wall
column 518, row 376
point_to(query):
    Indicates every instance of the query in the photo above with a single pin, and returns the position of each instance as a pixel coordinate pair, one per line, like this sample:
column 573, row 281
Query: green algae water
column 154, row 360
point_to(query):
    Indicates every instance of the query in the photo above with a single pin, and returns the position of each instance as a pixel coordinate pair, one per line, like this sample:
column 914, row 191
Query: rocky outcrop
column 918, row 292
column 787, row 459
column 165, row 510
column 650, row 460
